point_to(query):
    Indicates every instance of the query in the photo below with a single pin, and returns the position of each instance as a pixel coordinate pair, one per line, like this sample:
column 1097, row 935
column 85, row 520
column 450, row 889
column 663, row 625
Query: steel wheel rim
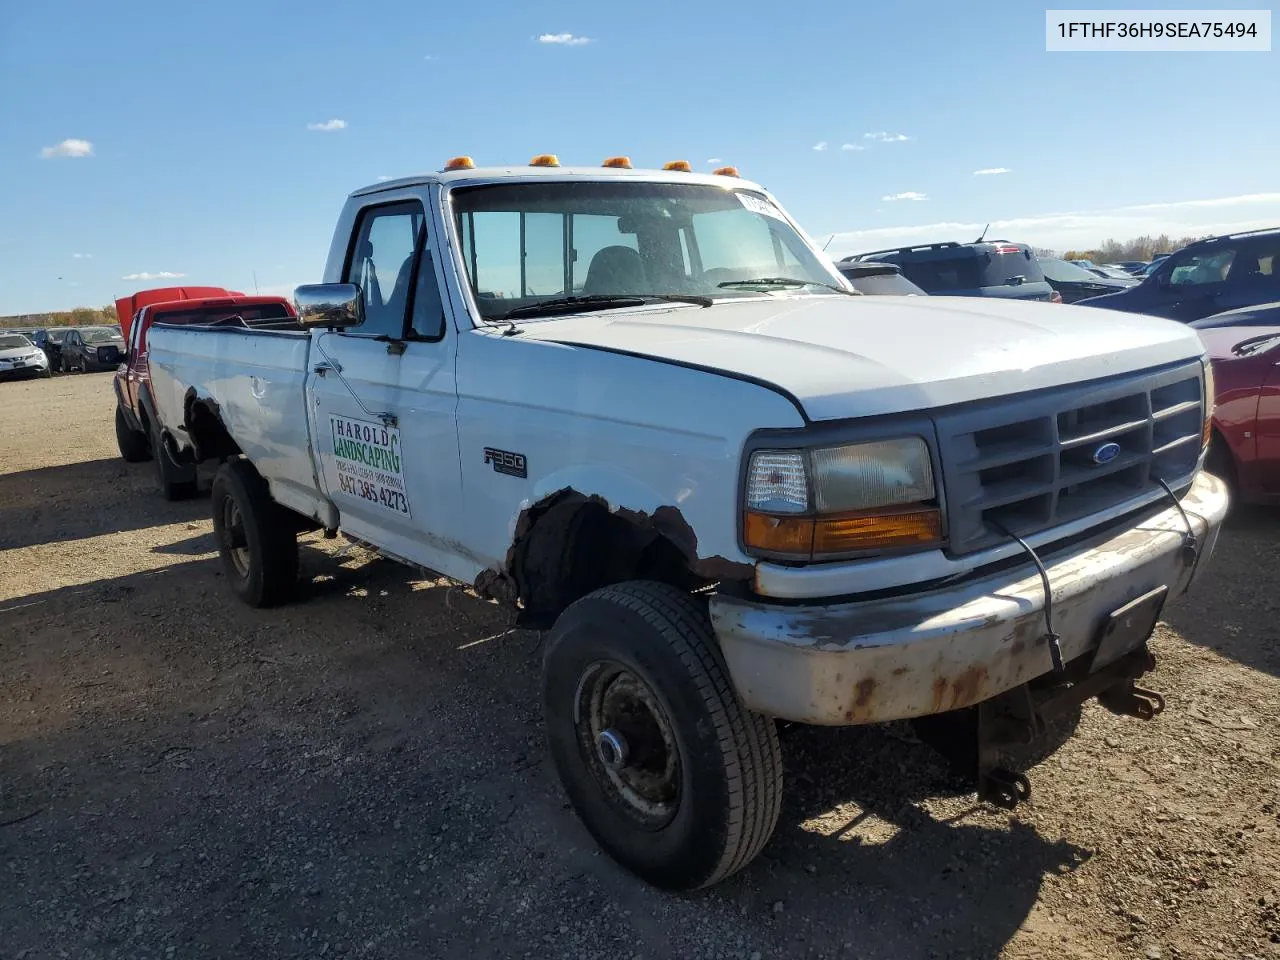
column 627, row 741
column 236, row 543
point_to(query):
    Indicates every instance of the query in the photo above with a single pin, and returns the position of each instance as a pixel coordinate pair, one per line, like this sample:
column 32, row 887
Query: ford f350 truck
column 641, row 407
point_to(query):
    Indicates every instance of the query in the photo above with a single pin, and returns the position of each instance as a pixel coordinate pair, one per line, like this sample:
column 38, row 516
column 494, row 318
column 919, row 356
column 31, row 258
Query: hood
column 13, row 353
column 1119, row 300
column 854, row 357
column 1262, row 314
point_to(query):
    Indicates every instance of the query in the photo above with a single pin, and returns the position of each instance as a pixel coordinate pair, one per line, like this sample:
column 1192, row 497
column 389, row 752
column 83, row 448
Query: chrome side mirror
column 331, row 305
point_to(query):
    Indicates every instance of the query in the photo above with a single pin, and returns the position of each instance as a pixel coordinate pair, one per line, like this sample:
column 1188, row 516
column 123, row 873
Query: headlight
column 1210, row 395
column 829, row 502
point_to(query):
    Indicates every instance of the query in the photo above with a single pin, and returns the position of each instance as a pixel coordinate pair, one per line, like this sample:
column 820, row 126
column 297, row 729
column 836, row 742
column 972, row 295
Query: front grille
column 1030, row 462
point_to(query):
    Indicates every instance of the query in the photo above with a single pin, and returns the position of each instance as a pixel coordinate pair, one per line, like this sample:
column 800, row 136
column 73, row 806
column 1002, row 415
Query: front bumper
column 32, row 369
column 907, row 656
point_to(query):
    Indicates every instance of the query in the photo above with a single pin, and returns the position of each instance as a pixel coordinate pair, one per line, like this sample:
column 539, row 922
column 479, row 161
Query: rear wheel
column 256, row 536
column 177, row 481
column 667, row 769
column 133, row 444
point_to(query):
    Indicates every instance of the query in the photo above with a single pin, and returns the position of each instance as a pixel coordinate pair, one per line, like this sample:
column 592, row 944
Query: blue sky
column 195, row 139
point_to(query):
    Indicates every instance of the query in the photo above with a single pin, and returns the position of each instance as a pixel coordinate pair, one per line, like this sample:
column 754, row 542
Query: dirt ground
column 362, row 773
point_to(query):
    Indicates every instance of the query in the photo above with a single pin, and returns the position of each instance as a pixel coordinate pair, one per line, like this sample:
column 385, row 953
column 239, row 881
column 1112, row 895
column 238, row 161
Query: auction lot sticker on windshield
column 759, row 205
column 369, row 463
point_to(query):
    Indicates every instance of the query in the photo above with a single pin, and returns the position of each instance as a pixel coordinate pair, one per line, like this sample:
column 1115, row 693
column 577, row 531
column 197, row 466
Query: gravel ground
column 363, row 774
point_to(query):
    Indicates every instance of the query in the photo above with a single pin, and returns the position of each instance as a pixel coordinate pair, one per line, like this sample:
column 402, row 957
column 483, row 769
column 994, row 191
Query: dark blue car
column 1206, row 277
column 991, row 268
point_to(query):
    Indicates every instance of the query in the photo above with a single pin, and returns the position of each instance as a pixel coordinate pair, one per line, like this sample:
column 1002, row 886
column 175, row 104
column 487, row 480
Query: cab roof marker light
column 725, row 172
column 545, row 160
column 459, row 163
column 682, row 165
column 618, row 163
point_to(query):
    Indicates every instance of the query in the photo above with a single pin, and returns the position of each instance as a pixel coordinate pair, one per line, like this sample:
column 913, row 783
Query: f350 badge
column 504, row 461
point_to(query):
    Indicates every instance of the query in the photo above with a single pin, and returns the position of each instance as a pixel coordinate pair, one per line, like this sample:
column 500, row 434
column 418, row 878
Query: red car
column 1245, row 349
column 134, row 407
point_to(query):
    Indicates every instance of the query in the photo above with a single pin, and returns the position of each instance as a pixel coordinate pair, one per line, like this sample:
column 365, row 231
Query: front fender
column 618, row 490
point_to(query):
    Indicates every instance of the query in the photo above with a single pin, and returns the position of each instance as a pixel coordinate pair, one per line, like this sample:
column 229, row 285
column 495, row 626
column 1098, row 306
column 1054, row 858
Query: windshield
column 12, row 341
column 99, row 334
column 529, row 242
column 1064, row 272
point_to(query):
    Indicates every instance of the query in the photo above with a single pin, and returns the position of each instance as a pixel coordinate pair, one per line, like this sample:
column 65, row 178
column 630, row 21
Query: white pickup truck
column 644, row 409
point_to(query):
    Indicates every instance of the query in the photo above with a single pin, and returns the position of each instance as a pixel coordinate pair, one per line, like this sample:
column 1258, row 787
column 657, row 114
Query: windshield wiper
column 782, row 282
column 1254, row 344
column 599, row 301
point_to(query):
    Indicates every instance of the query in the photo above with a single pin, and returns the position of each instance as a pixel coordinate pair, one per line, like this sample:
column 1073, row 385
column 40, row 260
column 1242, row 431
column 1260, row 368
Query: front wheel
column 671, row 774
column 256, row 541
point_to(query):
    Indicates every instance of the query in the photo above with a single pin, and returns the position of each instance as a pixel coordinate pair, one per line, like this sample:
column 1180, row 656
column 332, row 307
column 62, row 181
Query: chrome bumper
column 907, row 656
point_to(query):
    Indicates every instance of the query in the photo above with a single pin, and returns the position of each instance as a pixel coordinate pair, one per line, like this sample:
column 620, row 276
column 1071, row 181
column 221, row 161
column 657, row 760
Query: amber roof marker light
column 459, row 163
column 545, row 160
column 725, row 172
column 682, row 165
column 617, row 163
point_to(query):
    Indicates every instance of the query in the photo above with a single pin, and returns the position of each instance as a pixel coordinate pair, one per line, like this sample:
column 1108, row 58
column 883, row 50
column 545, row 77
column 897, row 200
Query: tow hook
column 1131, row 700
column 1018, row 716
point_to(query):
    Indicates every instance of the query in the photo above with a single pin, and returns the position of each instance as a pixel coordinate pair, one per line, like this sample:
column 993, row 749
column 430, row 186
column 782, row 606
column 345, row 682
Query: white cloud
column 820, row 145
column 329, row 126
column 144, row 275
column 852, row 146
column 991, row 171
column 714, row 160
column 429, row 57
column 82, row 256
column 886, row 137
column 1084, row 229
column 908, row 195
column 68, row 148
column 563, row 39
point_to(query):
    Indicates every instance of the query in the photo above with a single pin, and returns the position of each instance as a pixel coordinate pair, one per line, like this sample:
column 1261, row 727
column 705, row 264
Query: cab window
column 381, row 263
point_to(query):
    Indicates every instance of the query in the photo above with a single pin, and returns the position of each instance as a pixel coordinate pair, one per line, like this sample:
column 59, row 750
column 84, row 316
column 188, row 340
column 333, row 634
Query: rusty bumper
column 871, row 661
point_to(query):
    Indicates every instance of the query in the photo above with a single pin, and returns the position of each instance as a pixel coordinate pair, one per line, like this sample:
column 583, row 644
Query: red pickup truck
column 135, row 412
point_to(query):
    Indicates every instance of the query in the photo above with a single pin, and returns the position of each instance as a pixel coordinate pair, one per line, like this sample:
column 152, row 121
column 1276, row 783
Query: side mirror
column 334, row 306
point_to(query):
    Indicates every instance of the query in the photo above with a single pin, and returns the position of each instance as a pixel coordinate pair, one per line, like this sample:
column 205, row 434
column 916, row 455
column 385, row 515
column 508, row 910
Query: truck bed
column 253, row 379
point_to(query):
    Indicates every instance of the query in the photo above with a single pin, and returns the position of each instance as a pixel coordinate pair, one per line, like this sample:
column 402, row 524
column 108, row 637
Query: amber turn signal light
column 808, row 538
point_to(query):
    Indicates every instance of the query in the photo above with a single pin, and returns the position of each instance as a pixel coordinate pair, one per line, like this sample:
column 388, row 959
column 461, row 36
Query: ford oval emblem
column 1106, row 453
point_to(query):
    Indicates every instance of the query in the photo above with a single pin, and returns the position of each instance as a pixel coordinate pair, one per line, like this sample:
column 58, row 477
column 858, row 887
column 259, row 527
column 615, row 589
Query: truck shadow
column 390, row 728
column 78, row 500
column 896, row 879
column 1235, row 605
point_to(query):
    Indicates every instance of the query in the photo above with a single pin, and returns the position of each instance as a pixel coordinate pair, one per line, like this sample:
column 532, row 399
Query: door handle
column 324, row 366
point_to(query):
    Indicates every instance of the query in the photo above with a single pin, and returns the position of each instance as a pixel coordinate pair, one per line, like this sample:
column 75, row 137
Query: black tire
column 133, row 444
column 177, row 481
column 257, row 540
column 642, row 655
column 47, row 372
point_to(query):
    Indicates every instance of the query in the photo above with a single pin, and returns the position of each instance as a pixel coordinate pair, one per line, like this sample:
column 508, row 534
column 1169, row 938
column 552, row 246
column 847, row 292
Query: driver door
column 384, row 395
